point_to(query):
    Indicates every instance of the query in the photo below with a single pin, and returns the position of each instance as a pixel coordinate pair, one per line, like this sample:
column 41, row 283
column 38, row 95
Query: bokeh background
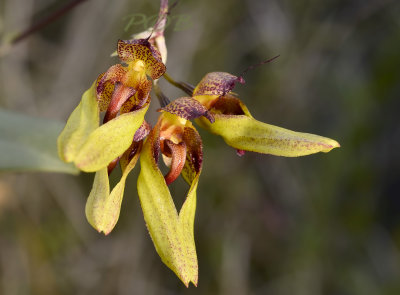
column 322, row 224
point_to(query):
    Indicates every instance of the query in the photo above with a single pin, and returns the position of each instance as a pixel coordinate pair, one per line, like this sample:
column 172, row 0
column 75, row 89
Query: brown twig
column 43, row 23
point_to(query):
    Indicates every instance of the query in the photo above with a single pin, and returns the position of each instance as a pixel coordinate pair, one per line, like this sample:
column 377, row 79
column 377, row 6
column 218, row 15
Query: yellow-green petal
column 245, row 133
column 186, row 223
column 172, row 234
column 96, row 203
column 83, row 120
column 102, row 208
column 109, row 141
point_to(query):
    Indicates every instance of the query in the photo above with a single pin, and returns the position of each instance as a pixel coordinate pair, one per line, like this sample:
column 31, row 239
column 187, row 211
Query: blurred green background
column 322, row 224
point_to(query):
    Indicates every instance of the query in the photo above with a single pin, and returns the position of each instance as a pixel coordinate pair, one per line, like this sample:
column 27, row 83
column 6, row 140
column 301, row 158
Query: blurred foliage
column 29, row 144
column 323, row 224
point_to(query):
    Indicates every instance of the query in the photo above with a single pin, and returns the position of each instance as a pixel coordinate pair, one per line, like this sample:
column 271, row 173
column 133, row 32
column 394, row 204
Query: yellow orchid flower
column 123, row 93
column 102, row 206
column 122, row 89
column 180, row 145
column 240, row 130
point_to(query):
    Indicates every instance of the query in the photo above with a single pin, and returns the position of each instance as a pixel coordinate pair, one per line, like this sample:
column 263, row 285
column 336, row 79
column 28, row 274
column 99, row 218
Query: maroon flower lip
column 188, row 108
column 217, row 83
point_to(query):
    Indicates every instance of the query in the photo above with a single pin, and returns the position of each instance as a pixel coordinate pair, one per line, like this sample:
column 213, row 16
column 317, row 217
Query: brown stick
column 43, row 23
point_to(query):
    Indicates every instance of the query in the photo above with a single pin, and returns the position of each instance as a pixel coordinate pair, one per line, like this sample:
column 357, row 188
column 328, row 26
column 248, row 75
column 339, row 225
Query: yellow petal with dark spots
column 141, row 49
column 106, row 82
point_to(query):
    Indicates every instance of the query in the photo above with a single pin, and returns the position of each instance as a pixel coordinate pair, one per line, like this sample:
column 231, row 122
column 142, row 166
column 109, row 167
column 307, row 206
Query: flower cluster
column 122, row 96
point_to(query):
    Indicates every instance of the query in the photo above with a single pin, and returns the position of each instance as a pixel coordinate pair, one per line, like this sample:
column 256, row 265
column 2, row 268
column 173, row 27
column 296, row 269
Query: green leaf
column 172, row 234
column 81, row 123
column 29, row 144
column 109, row 141
column 245, row 133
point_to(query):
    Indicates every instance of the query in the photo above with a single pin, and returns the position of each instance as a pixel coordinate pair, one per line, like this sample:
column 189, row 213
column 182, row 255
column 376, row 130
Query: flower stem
column 161, row 96
column 186, row 87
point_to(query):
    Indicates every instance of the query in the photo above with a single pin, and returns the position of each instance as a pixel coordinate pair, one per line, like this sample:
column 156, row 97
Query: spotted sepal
column 141, row 49
column 188, row 108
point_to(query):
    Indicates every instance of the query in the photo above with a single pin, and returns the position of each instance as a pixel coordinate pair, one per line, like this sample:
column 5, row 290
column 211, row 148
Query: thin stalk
column 186, row 87
column 162, row 99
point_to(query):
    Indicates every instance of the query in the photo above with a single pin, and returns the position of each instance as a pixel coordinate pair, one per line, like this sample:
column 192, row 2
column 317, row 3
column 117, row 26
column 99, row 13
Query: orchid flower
column 122, row 89
column 122, row 92
column 235, row 124
column 180, row 145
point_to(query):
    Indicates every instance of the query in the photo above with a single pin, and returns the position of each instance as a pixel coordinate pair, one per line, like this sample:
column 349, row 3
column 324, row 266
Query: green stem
column 163, row 100
column 186, row 87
